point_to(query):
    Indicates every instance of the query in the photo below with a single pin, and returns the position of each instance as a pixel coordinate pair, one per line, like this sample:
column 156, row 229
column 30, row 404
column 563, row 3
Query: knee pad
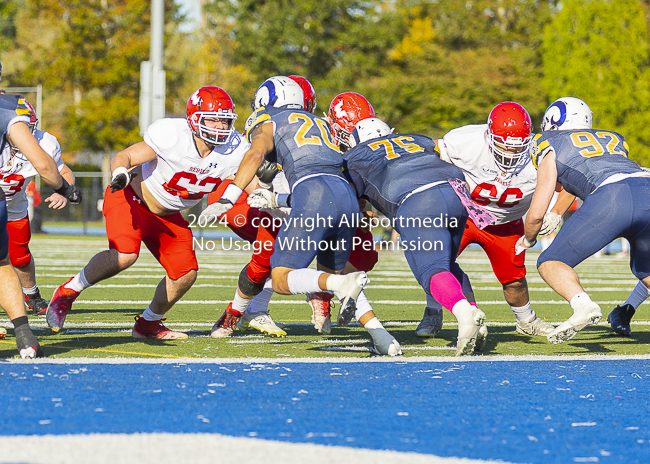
column 19, row 255
column 247, row 286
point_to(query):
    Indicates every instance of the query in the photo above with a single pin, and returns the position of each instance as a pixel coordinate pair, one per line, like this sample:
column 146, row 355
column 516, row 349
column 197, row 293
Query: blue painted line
column 537, row 411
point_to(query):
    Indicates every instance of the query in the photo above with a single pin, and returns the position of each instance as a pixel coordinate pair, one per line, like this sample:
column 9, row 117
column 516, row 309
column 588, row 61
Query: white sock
column 523, row 313
column 363, row 307
column 580, row 300
column 638, row 295
column 239, row 303
column 30, row 291
column 260, row 304
column 149, row 315
column 303, row 281
column 78, row 282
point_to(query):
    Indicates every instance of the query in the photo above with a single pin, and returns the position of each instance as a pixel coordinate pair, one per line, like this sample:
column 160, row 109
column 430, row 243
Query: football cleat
column 263, row 323
column 470, row 320
column 3, row 333
column 348, row 293
column 321, row 307
column 60, row 305
column 430, row 324
column 590, row 314
column 36, row 304
column 535, row 327
column 619, row 319
column 155, row 330
column 226, row 324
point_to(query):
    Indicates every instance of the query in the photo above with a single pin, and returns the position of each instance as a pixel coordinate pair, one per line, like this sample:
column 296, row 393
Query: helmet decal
column 557, row 113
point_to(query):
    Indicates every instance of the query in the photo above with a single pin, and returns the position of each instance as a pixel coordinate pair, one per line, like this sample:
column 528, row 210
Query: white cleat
column 263, row 323
column 581, row 318
column 470, row 321
column 348, row 292
column 430, row 324
column 481, row 338
column 535, row 327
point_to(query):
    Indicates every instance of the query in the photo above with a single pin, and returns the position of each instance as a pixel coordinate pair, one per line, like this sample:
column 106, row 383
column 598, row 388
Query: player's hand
column 261, row 198
column 217, row 209
column 523, row 245
column 56, row 201
column 121, row 178
column 550, row 223
column 266, row 173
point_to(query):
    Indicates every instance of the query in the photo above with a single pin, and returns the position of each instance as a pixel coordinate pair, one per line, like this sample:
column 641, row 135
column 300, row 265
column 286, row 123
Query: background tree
column 597, row 50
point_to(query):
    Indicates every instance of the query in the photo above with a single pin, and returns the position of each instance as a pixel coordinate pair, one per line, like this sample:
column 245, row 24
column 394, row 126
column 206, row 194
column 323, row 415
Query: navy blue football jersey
column 584, row 158
column 303, row 143
column 393, row 166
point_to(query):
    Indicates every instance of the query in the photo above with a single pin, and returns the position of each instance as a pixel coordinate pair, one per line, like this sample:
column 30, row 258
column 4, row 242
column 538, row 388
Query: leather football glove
column 121, row 179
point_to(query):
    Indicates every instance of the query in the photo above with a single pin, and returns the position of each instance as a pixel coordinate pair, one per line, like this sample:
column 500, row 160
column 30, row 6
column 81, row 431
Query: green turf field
column 100, row 322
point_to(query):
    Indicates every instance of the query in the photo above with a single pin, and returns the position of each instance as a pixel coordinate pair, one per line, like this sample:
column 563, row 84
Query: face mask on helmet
column 509, row 131
column 211, row 115
column 345, row 111
column 308, row 92
column 567, row 113
column 369, row 129
column 279, row 92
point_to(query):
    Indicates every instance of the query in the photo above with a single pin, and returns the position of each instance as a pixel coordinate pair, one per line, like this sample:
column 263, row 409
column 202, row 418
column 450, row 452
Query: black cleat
column 37, row 304
column 619, row 319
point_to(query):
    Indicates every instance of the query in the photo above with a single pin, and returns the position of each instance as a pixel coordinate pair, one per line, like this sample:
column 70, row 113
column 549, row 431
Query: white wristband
column 232, row 193
column 119, row 170
column 529, row 244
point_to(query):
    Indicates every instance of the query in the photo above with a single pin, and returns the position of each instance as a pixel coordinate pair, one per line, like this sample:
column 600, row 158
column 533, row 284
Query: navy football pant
column 621, row 209
column 322, row 210
column 432, row 248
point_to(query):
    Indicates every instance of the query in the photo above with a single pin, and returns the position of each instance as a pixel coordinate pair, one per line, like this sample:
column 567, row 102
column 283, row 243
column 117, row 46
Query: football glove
column 261, row 198
column 550, row 223
column 71, row 192
column 266, row 173
column 121, row 178
column 523, row 245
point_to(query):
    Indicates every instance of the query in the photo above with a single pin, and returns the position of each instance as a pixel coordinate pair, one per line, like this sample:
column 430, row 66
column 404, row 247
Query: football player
column 345, row 111
column 16, row 172
column 501, row 179
column 403, row 177
column 249, row 307
column 594, row 166
column 179, row 161
column 282, row 132
column 15, row 130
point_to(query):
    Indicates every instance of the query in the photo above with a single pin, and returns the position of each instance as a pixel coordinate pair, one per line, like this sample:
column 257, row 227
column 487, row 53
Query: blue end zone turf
column 521, row 411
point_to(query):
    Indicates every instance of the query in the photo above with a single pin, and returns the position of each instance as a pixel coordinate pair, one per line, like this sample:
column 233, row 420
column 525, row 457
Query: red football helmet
column 346, row 110
column 509, row 130
column 308, row 90
column 211, row 102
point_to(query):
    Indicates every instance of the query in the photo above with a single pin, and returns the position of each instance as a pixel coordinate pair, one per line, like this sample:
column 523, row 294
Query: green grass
column 100, row 322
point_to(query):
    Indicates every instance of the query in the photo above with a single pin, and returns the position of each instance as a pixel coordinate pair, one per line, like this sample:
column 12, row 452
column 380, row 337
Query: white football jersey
column 178, row 177
column 16, row 172
column 506, row 195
